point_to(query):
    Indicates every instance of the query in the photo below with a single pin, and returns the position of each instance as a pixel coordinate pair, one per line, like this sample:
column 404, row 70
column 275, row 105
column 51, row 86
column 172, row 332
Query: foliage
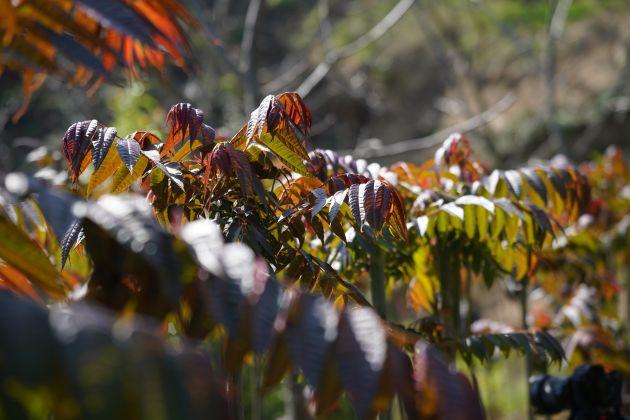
column 587, row 271
column 82, row 41
column 252, row 245
column 204, row 282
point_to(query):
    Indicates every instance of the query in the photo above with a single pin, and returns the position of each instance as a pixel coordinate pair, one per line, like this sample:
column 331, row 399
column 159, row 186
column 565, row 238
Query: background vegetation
column 389, row 81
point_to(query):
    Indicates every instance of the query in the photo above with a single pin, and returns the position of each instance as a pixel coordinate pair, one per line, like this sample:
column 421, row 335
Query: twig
column 286, row 78
column 301, row 64
column 434, row 139
column 333, row 56
column 215, row 40
column 556, row 27
column 246, row 66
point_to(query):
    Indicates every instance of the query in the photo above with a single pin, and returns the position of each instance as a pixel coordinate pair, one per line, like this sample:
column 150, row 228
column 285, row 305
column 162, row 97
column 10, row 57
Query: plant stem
column 449, row 272
column 377, row 289
column 295, row 406
column 470, row 311
column 256, row 403
column 456, row 285
column 528, row 360
column 377, row 281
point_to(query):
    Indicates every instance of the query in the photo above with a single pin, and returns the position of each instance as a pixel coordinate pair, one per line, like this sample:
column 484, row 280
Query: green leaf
column 442, row 222
column 470, row 221
column 497, row 223
column 283, row 152
column 482, row 222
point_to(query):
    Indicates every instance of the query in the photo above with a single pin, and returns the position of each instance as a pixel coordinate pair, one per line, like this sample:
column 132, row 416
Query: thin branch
column 333, row 56
column 556, row 27
column 215, row 40
column 301, row 64
column 437, row 138
column 246, row 63
column 287, row 77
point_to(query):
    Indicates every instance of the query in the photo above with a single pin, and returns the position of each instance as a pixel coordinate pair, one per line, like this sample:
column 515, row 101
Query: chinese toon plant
column 252, row 245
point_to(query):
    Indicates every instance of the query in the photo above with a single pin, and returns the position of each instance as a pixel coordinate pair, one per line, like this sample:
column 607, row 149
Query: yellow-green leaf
column 511, row 228
column 470, row 221
column 21, row 253
column 442, row 222
column 283, row 152
column 497, row 223
column 109, row 165
column 123, row 178
column 186, row 149
column 482, row 222
column 528, row 229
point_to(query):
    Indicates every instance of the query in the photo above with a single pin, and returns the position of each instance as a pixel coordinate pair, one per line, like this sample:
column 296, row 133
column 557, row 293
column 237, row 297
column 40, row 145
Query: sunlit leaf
column 22, row 253
column 129, row 151
column 285, row 153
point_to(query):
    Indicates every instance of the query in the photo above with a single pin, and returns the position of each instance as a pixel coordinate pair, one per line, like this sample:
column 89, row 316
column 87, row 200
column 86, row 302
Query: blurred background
column 525, row 77
column 386, row 80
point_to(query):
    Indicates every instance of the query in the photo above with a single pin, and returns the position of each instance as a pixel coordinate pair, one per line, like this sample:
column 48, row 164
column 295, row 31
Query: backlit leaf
column 76, row 146
column 320, row 201
column 283, row 152
column 107, row 167
column 129, row 151
column 20, row 252
column 101, row 144
column 184, row 121
column 442, row 392
column 123, row 178
column 362, row 351
column 311, row 337
column 69, row 240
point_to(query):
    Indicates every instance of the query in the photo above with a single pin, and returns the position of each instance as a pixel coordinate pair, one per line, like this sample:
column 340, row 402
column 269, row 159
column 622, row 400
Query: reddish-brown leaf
column 184, row 121
column 454, row 151
column 233, row 163
column 296, row 114
column 372, row 201
column 368, row 203
column 341, row 182
column 398, row 211
column 354, row 200
column 76, row 146
column 361, row 355
column 441, row 392
column 381, row 204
